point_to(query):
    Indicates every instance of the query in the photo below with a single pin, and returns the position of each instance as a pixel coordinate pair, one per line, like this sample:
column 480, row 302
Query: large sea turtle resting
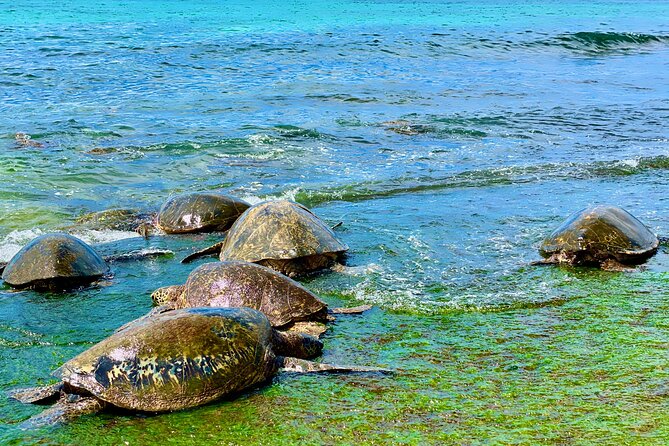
column 185, row 213
column 58, row 261
column 286, row 303
column 604, row 236
column 54, row 261
column 282, row 235
column 177, row 360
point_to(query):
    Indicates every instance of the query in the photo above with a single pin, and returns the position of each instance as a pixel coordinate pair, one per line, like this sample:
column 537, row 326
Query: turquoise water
column 448, row 137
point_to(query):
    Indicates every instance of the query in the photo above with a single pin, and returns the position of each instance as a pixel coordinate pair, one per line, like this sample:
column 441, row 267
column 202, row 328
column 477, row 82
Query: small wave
column 604, row 42
column 479, row 178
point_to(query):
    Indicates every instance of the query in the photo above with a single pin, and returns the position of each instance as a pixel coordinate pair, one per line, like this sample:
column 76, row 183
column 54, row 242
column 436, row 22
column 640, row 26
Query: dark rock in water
column 54, row 262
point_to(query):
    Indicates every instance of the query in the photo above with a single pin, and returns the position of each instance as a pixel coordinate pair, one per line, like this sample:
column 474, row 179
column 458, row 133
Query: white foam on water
column 287, row 195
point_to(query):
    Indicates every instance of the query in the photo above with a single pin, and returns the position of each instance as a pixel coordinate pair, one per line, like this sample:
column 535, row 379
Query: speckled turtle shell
column 243, row 284
column 199, row 212
column 600, row 233
column 284, row 236
column 54, row 261
column 183, row 359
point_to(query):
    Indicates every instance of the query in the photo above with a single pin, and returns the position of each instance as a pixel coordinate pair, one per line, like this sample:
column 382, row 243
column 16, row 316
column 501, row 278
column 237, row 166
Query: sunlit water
column 448, row 137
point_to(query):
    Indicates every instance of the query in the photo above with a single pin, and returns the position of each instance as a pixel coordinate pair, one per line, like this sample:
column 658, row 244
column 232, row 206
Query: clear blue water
column 450, row 137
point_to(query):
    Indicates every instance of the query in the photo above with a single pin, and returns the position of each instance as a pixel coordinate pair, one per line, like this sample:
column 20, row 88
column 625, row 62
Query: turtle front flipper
column 34, row 395
column 288, row 364
column 214, row 249
column 615, row 266
column 67, row 408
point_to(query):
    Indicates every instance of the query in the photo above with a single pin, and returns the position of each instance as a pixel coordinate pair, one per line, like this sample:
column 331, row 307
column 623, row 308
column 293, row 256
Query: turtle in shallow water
column 199, row 212
column 54, row 261
column 186, row 213
column 282, row 235
column 115, row 219
column 59, row 261
column 604, row 236
column 176, row 360
column 286, row 303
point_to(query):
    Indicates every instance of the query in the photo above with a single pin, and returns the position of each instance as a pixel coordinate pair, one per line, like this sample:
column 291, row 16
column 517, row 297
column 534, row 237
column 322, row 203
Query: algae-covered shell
column 53, row 261
column 199, row 212
column 176, row 360
column 243, row 284
column 115, row 219
column 600, row 232
column 276, row 233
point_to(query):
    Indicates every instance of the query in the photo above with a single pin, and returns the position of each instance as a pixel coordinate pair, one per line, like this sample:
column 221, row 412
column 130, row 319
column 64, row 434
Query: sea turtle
column 115, row 219
column 177, row 360
column 282, row 235
column 604, row 236
column 186, row 213
column 199, row 212
column 286, row 303
column 54, row 261
column 60, row 261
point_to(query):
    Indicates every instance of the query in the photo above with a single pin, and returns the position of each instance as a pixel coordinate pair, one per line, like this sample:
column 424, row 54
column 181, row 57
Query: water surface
column 448, row 137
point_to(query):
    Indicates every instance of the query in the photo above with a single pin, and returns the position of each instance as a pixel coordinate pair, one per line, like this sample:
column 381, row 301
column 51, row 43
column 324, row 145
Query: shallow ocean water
column 448, row 137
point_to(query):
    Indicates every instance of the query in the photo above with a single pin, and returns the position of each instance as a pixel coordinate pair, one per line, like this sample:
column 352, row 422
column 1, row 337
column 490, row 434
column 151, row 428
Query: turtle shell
column 115, row 219
column 176, row 360
column 199, row 212
column 243, row 284
column 602, row 232
column 54, row 261
column 281, row 230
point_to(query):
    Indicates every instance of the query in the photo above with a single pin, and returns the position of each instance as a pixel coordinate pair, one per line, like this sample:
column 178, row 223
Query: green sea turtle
column 186, row 213
column 286, row 303
column 199, row 212
column 177, row 360
column 115, row 219
column 54, row 261
column 604, row 236
column 59, row 261
column 282, row 235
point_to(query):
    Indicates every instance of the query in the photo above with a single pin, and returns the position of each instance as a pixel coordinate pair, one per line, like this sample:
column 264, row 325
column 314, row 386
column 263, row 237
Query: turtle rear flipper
column 289, row 364
column 214, row 249
column 34, row 395
column 67, row 408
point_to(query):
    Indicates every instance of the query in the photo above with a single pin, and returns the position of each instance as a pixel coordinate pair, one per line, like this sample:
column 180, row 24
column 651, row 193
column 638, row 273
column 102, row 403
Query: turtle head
column 167, row 295
column 295, row 344
column 145, row 229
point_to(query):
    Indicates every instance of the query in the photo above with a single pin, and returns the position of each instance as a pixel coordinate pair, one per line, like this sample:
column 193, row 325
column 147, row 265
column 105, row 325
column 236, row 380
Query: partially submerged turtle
column 604, row 236
column 177, row 360
column 59, row 261
column 54, row 261
column 186, row 213
column 199, row 212
column 115, row 219
column 282, row 235
column 286, row 303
